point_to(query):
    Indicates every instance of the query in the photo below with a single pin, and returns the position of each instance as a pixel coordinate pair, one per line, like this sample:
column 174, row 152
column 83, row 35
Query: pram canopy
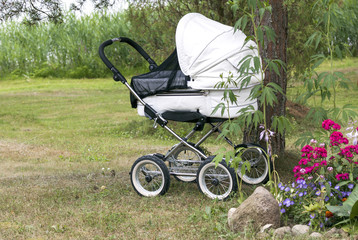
column 207, row 49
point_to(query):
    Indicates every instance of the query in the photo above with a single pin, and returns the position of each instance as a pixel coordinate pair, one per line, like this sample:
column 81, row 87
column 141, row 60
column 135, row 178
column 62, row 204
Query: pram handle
column 117, row 75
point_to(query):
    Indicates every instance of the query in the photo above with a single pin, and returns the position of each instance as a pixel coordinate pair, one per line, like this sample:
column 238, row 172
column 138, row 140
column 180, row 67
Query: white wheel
column 259, row 172
column 183, row 156
column 216, row 182
column 150, row 176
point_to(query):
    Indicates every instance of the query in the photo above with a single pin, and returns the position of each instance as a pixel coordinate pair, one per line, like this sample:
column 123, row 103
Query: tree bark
column 278, row 22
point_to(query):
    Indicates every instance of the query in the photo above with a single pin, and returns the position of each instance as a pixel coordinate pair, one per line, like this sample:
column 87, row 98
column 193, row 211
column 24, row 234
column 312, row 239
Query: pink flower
column 344, row 176
column 324, row 163
column 337, row 138
column 307, row 149
column 330, row 169
column 303, row 161
column 336, row 126
column 326, row 124
column 296, row 169
column 320, row 152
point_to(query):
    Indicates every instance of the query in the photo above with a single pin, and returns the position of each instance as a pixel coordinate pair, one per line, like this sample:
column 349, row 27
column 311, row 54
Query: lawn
column 59, row 141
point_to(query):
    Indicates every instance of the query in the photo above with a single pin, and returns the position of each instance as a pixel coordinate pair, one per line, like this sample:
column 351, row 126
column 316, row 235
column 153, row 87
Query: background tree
column 38, row 10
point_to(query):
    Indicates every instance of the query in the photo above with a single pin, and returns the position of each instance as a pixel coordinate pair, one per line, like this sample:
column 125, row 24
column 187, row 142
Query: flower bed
column 326, row 176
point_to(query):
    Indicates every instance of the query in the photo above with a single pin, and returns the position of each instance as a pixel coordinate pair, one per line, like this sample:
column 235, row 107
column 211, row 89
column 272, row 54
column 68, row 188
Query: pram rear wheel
column 257, row 157
column 185, row 160
column 150, row 176
column 216, row 182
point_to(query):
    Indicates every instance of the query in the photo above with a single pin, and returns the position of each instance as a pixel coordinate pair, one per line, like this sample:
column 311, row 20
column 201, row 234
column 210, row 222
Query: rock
column 343, row 233
column 333, row 232
column 266, row 228
column 316, row 235
column 300, row 230
column 229, row 214
column 263, row 235
column 282, row 231
column 259, row 209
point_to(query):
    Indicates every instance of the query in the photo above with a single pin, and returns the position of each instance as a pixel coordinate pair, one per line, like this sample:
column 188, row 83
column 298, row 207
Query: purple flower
column 283, row 210
column 330, row 169
column 318, row 193
column 287, row 202
column 287, row 189
column 312, row 216
column 351, row 185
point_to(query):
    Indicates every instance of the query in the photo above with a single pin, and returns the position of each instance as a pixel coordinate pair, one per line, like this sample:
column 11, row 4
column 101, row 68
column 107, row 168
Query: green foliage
column 326, row 83
column 69, row 49
column 349, row 208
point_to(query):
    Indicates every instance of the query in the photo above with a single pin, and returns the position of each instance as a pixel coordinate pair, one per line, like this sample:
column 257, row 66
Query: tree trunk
column 278, row 22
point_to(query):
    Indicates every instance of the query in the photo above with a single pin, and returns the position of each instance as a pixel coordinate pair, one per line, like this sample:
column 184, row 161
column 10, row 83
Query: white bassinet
column 208, row 52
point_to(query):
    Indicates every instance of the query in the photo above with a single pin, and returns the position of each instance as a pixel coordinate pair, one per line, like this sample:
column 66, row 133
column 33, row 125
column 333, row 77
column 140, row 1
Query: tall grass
column 68, row 50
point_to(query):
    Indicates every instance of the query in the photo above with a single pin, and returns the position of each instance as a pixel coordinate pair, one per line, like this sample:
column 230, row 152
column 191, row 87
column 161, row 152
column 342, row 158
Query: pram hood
column 207, row 49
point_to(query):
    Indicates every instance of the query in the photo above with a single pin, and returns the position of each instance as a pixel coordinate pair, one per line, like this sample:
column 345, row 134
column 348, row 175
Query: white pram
column 183, row 88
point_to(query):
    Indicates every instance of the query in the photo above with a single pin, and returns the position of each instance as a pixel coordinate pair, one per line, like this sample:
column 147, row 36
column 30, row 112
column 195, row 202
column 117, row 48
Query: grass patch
column 58, row 138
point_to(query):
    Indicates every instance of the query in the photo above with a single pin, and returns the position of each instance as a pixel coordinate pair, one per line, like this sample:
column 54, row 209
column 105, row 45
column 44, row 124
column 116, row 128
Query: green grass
column 56, row 135
column 55, row 138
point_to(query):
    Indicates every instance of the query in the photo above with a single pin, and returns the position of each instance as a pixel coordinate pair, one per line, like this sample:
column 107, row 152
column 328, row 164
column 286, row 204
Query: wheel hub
column 215, row 182
column 148, row 178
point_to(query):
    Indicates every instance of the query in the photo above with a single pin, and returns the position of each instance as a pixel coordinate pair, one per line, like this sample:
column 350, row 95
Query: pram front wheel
column 150, row 176
column 216, row 182
column 257, row 157
column 185, row 161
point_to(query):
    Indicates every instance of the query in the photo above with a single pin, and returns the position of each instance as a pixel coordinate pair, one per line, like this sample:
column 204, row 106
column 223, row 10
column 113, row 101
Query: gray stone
column 298, row 230
column 229, row 215
column 343, row 233
column 263, row 235
column 282, row 231
column 259, row 209
column 332, row 233
column 316, row 235
column 266, row 228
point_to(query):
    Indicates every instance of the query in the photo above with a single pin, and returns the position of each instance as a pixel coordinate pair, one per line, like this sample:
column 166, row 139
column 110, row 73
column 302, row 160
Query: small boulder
column 265, row 228
column 282, row 231
column 316, row 235
column 259, row 209
column 229, row 215
column 298, row 230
